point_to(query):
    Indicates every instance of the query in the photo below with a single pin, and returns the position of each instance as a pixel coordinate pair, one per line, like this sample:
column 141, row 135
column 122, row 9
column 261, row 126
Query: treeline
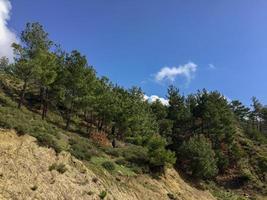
column 197, row 132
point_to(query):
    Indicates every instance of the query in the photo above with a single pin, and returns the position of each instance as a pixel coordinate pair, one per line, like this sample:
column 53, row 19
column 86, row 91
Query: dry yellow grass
column 25, row 174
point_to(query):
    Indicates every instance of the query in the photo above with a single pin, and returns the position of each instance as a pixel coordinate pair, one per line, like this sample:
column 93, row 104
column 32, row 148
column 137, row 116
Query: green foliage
column 198, row 157
column 262, row 163
column 48, row 141
column 240, row 111
column 158, row 155
column 217, row 120
column 222, row 160
column 256, row 135
column 136, row 154
column 102, row 195
column 4, row 64
column 108, row 165
column 196, row 127
column 13, row 118
column 153, row 153
column 221, row 194
column 61, row 168
column 236, row 152
column 82, row 149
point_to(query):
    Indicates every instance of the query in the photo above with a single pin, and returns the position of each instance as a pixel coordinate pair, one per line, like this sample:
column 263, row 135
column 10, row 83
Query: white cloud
column 212, row 66
column 153, row 98
column 170, row 73
column 7, row 36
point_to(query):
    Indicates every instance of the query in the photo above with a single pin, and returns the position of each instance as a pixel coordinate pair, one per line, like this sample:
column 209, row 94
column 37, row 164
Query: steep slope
column 26, row 173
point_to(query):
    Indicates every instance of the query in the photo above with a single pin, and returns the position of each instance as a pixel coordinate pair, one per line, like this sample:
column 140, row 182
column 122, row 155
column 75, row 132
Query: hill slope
column 26, row 173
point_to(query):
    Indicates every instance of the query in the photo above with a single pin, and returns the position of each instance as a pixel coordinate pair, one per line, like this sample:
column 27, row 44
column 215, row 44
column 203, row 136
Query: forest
column 202, row 134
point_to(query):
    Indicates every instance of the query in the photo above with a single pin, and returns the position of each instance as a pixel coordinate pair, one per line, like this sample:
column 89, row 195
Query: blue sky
column 134, row 41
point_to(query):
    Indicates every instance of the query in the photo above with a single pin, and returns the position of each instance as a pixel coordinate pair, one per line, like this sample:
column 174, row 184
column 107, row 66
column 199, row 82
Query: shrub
column 222, row 161
column 102, row 194
column 48, row 141
column 158, row 155
column 112, row 151
column 61, row 168
column 121, row 161
column 198, row 157
column 110, row 166
column 171, row 196
column 100, row 138
column 81, row 149
column 33, row 188
column 136, row 154
column 262, row 163
column 236, row 152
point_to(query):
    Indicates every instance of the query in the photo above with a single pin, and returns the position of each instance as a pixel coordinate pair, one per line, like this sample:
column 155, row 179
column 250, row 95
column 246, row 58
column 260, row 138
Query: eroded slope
column 25, row 174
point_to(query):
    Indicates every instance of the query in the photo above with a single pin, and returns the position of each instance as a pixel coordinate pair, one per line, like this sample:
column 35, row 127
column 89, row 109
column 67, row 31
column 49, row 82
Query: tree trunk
column 68, row 123
column 45, row 103
column 22, row 94
column 69, row 112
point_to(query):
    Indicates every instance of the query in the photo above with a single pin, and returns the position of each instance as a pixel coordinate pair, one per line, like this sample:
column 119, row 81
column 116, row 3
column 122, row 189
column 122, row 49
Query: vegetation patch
column 61, row 168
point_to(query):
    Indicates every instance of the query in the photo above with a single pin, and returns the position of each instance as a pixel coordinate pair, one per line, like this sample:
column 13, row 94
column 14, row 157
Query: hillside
column 25, row 174
column 67, row 133
column 26, row 166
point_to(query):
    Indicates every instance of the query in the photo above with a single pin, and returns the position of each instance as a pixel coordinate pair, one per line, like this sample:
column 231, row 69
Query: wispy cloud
column 154, row 98
column 212, row 66
column 7, row 36
column 170, row 73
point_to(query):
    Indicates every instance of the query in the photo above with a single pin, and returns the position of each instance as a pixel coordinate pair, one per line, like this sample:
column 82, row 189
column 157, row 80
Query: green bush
column 121, row 161
column 112, row 151
column 262, row 163
column 198, row 157
column 256, row 135
column 157, row 153
column 236, row 152
column 136, row 154
column 25, row 122
column 48, row 141
column 110, row 166
column 222, row 161
column 102, row 194
column 82, row 149
column 61, row 168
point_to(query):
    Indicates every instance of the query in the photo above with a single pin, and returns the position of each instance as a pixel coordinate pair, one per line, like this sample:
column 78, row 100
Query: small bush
column 110, row 166
column 136, row 154
column 121, row 161
column 102, row 194
column 262, row 163
column 81, row 149
column 171, row 196
column 90, row 193
column 48, row 141
column 113, row 152
column 100, row 138
column 222, row 161
column 61, row 168
column 95, row 180
column 236, row 152
column 34, row 188
column 198, row 157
